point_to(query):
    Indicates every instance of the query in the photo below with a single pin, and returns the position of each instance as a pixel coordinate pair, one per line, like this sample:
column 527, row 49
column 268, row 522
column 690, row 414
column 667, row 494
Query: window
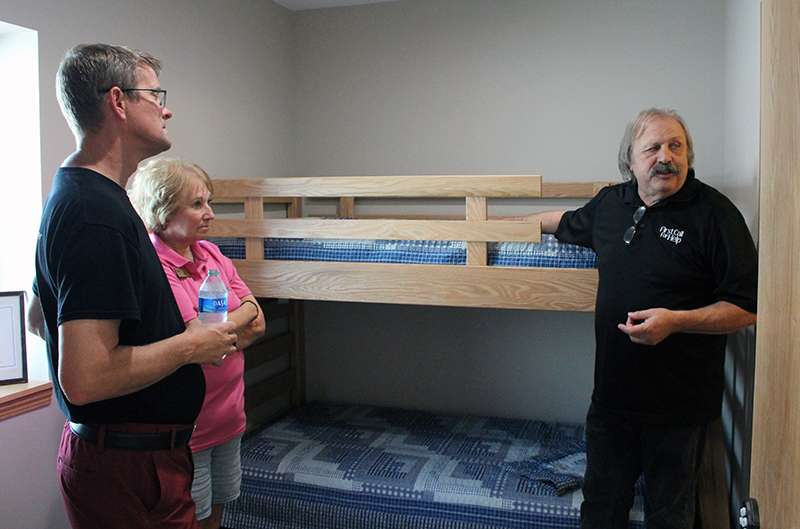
column 21, row 181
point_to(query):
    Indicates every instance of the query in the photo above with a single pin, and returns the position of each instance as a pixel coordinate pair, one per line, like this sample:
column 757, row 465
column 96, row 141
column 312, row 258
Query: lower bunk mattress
column 335, row 466
column 549, row 253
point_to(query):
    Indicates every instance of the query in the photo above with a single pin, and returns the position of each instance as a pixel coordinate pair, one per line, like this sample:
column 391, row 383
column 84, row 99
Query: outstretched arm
column 549, row 219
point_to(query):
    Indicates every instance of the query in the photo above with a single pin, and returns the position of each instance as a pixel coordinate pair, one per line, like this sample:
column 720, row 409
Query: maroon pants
column 107, row 488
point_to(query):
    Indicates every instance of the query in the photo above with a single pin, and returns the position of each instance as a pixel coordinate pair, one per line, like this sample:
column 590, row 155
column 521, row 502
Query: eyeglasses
column 630, row 233
column 160, row 93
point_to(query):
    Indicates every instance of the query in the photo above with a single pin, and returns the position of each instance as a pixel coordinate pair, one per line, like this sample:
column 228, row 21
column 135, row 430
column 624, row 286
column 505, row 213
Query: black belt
column 132, row 440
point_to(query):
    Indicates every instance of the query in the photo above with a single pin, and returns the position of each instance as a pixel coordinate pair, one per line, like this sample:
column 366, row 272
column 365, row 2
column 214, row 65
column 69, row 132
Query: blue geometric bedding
column 329, row 466
column 548, row 254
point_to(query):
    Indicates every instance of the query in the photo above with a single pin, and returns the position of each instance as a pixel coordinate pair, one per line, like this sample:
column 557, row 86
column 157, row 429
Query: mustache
column 664, row 168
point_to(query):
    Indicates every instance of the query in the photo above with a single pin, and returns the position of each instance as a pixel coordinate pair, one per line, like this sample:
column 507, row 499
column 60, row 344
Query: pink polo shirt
column 222, row 415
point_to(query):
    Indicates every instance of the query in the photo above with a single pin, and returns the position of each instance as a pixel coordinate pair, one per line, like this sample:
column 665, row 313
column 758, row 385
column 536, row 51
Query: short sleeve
column 576, row 226
column 97, row 276
column 734, row 259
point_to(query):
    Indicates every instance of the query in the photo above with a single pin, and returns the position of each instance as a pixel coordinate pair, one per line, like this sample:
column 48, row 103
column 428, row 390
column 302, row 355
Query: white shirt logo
column 671, row 234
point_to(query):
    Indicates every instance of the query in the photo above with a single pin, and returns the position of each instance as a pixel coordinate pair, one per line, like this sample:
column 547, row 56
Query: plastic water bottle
column 212, row 302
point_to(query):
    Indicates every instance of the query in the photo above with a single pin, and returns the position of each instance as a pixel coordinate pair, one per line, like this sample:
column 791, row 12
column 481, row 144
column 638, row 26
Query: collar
column 183, row 267
column 687, row 192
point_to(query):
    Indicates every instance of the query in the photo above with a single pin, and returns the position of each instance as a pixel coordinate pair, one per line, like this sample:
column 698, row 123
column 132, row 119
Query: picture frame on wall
column 13, row 360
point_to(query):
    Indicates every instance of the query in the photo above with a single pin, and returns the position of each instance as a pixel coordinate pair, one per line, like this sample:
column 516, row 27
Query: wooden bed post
column 297, row 351
column 295, row 208
column 254, row 247
column 346, row 208
column 775, row 461
column 477, row 210
column 297, row 356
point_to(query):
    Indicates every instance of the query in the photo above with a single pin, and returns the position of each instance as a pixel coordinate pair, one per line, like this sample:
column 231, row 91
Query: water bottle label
column 213, row 305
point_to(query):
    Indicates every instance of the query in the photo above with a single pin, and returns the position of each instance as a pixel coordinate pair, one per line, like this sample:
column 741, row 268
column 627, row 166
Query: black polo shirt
column 95, row 261
column 691, row 250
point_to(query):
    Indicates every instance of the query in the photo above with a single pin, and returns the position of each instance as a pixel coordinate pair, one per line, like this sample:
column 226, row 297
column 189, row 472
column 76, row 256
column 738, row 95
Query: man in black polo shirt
column 678, row 271
column 124, row 367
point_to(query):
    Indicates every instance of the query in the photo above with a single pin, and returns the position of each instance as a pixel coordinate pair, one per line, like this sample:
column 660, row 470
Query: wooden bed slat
column 240, row 200
column 259, row 392
column 548, row 190
column 441, row 186
column 397, row 229
column 572, row 189
column 566, row 289
column 267, row 350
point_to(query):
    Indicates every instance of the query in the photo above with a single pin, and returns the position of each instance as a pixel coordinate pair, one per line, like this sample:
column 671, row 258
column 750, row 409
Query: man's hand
column 650, row 326
column 213, row 341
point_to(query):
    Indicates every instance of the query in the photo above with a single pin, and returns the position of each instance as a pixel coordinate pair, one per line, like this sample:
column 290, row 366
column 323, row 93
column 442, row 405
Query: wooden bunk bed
column 475, row 283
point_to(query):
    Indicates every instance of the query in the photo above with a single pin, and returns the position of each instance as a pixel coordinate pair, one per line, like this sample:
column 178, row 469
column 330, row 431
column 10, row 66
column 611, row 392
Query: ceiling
column 300, row 5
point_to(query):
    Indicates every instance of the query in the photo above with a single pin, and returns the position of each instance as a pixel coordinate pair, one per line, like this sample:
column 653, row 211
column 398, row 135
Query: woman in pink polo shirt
column 174, row 200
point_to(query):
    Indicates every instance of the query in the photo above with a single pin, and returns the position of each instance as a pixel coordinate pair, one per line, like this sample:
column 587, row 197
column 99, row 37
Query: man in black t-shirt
column 124, row 367
column 677, row 272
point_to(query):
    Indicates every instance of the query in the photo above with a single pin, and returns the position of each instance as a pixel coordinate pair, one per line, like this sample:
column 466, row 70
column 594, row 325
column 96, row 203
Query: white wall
column 740, row 183
column 448, row 86
column 230, row 80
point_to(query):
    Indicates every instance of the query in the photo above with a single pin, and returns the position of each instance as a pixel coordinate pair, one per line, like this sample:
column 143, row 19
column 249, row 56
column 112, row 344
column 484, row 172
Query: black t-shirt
column 95, row 261
column 690, row 250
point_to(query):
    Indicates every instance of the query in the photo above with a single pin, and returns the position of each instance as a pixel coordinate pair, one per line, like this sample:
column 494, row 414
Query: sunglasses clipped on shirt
column 630, row 233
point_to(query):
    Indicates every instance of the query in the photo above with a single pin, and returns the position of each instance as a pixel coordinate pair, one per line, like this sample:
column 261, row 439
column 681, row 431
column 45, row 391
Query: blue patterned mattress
column 330, row 466
column 549, row 253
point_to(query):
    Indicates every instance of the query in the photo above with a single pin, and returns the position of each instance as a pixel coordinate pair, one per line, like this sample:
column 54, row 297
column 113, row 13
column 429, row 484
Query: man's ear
column 117, row 103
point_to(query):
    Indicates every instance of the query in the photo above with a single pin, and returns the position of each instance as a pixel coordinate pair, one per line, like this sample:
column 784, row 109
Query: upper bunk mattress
column 549, row 253
column 329, row 466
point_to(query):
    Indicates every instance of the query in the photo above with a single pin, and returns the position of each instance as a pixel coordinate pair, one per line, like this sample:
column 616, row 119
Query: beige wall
column 228, row 71
column 740, row 183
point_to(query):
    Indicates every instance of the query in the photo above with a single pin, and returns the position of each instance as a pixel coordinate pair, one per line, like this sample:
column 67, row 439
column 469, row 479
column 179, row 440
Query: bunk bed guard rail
column 474, row 284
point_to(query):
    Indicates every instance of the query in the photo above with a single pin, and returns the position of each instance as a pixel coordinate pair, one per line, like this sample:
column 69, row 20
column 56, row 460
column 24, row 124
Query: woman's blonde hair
column 156, row 188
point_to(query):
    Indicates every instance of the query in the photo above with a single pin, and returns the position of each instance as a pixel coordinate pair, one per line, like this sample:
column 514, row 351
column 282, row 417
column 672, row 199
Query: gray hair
column 156, row 188
column 87, row 72
column 635, row 129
